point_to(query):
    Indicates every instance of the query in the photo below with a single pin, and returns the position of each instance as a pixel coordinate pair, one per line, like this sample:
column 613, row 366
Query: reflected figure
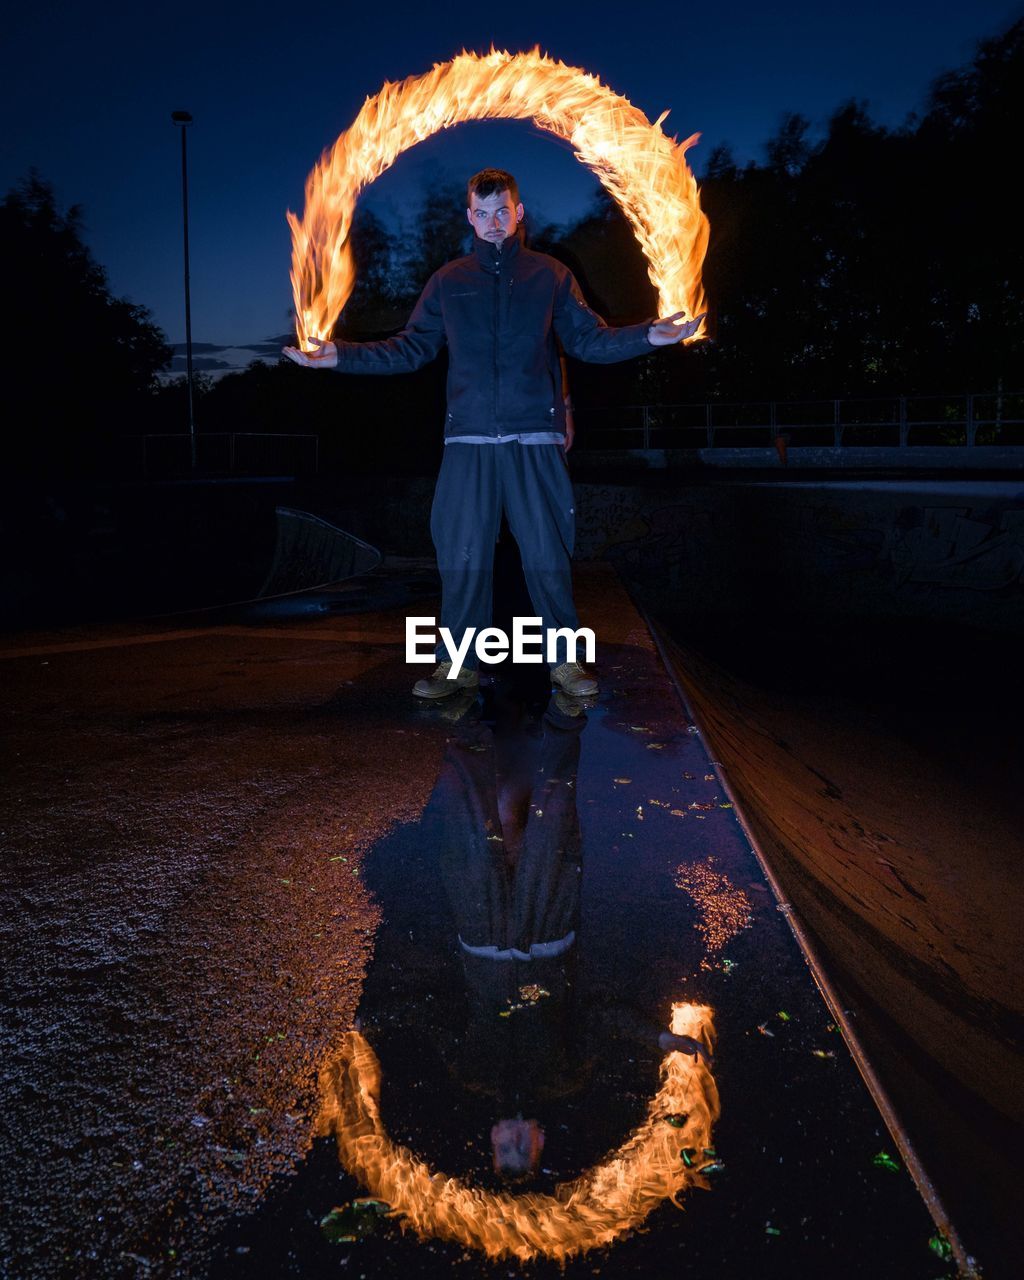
column 511, row 861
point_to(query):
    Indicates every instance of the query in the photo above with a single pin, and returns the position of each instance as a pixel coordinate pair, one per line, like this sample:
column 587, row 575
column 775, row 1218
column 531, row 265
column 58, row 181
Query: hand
column 323, row 356
column 570, row 428
column 668, row 1043
column 663, row 333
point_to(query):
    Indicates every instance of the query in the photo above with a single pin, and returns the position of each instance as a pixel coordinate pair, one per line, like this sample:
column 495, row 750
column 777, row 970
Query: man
column 500, row 309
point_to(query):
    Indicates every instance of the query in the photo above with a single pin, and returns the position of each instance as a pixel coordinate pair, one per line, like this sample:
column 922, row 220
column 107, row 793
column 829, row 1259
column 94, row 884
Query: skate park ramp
column 141, row 552
column 311, row 553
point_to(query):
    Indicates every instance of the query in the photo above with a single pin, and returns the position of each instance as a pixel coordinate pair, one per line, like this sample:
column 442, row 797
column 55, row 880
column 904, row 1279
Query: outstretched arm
column 628, row 1022
column 585, row 335
column 417, row 344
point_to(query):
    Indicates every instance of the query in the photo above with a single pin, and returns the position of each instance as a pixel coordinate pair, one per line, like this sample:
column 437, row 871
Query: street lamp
column 184, row 119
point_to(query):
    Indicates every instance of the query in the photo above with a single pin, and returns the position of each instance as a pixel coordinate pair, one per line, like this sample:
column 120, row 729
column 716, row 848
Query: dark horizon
column 116, row 153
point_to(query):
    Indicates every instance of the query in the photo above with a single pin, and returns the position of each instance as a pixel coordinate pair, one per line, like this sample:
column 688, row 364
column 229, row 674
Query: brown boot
column 573, row 678
column 438, row 685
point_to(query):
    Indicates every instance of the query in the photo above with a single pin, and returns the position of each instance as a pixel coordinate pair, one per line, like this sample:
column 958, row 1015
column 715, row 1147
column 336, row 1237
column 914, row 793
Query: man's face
column 516, row 1146
column 494, row 217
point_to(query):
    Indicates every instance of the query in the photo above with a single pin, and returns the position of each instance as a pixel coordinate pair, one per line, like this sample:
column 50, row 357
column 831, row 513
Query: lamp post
column 184, row 119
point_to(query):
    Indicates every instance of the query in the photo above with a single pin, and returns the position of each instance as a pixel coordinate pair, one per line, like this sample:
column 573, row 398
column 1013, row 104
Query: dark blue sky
column 87, row 92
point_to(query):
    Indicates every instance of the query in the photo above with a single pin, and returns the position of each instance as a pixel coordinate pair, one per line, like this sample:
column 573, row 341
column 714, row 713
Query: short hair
column 490, row 182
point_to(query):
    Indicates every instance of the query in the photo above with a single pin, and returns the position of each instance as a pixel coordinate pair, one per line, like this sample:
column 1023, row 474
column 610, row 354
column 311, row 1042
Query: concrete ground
column 883, row 780
column 188, row 804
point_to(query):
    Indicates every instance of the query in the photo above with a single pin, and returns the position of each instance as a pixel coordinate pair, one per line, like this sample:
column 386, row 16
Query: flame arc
column 595, row 1209
column 643, row 169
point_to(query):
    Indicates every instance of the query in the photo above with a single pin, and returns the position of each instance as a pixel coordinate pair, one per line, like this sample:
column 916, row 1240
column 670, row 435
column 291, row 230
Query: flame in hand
column 641, row 167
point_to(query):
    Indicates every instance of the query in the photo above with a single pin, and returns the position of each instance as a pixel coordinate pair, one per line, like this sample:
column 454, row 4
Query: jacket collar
column 491, row 258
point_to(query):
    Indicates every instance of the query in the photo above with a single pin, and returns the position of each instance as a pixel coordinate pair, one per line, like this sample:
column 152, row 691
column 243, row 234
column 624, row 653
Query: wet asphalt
column 230, row 838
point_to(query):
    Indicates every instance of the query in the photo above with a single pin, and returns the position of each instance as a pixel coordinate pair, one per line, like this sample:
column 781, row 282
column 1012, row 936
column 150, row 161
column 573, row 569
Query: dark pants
column 531, row 484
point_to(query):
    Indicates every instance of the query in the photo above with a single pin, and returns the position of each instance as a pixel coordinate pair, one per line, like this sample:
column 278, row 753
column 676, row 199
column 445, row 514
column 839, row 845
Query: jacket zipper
column 497, row 313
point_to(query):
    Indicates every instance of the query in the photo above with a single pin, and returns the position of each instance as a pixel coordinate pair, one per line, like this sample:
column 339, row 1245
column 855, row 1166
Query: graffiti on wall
column 978, row 548
column 955, row 547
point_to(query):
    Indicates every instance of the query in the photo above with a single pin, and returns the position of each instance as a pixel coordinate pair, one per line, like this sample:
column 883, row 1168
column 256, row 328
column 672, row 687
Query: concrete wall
column 944, row 549
column 860, row 548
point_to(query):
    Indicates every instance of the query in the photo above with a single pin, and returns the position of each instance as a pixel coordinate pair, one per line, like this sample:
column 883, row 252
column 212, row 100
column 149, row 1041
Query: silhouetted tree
column 167, row 406
column 378, row 303
column 82, row 363
column 874, row 260
column 969, row 222
column 440, row 233
column 788, row 149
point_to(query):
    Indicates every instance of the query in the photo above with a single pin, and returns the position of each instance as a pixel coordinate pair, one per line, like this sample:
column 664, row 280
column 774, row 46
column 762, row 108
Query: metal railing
column 221, row 453
column 902, row 422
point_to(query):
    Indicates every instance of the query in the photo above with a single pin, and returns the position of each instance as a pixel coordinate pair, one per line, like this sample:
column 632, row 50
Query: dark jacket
column 500, row 312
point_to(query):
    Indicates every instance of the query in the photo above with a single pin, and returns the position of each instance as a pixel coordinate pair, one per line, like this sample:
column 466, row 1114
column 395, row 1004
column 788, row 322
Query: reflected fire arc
column 663, row 1157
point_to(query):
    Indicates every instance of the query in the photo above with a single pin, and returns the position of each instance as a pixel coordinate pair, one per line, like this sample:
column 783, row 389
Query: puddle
column 577, row 889
column 430, row 935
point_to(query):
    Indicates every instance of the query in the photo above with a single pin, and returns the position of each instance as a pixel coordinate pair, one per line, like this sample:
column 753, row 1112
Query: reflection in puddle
column 658, row 1161
column 723, row 909
column 511, row 861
